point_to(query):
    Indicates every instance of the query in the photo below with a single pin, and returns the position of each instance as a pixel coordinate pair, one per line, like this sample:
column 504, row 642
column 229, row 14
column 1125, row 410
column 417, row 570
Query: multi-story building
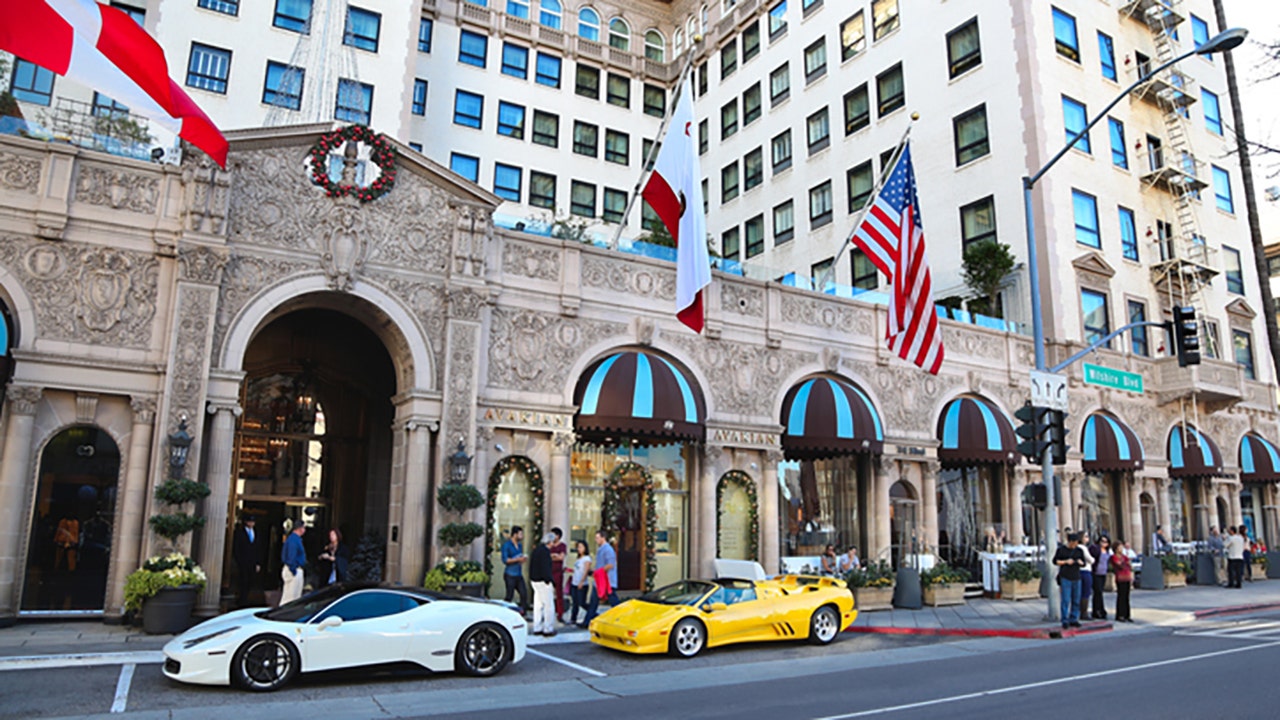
column 339, row 350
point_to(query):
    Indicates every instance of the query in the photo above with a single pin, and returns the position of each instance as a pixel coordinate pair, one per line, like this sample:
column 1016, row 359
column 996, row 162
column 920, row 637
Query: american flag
column 892, row 236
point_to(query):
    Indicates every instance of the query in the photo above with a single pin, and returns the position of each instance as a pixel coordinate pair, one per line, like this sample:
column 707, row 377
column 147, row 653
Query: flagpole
column 652, row 155
column 884, row 176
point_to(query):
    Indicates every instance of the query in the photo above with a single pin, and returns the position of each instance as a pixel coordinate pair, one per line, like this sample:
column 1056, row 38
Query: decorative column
column 1017, row 484
column 222, row 439
column 770, row 532
column 1164, row 512
column 705, row 501
column 884, row 472
column 482, row 463
column 1237, row 513
column 1134, row 534
column 126, row 557
column 15, row 470
column 929, row 516
column 1074, row 482
column 415, row 511
column 1204, row 496
column 557, row 508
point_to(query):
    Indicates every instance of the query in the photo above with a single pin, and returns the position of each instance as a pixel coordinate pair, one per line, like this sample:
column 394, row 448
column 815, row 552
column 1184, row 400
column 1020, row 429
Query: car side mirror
column 714, row 607
column 330, row 622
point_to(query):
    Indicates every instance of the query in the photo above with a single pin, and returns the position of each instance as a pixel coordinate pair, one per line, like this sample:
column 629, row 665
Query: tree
column 986, row 264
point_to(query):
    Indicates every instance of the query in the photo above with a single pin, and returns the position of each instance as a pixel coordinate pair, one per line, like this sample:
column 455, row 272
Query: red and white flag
column 674, row 191
column 892, row 236
column 101, row 47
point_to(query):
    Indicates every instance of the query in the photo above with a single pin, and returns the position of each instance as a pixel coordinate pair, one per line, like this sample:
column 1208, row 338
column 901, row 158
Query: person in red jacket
column 1122, row 566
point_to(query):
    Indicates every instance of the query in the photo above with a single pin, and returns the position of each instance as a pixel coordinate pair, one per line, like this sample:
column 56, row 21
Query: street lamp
column 1223, row 41
column 459, row 464
column 179, row 446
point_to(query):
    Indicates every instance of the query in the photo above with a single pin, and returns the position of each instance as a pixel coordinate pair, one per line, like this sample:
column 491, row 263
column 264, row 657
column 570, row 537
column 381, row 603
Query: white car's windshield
column 305, row 607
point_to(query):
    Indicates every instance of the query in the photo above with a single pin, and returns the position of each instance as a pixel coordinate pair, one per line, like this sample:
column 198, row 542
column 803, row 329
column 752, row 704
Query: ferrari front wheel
column 688, row 638
column 264, row 663
column 824, row 625
column 483, row 650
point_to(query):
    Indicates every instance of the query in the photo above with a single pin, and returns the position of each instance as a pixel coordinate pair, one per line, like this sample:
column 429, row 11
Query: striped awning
column 1259, row 459
column 973, row 431
column 1192, row 453
column 826, row 417
column 641, row 396
column 1110, row 444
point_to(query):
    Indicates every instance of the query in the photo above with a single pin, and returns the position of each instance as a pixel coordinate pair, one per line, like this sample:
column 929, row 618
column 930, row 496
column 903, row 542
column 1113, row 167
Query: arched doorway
column 71, row 529
column 516, row 497
column 903, row 522
column 1148, row 506
column 314, row 441
column 737, row 517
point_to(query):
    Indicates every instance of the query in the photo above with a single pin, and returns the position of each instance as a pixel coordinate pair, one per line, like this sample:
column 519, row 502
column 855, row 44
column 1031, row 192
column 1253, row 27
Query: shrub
column 459, row 534
column 871, row 575
column 368, row 558
column 459, row 498
column 1020, row 571
column 944, row 574
column 465, row 571
column 1174, row 564
column 161, row 571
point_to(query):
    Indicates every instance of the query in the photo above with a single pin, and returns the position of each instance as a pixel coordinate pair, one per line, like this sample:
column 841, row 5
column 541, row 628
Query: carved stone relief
column 460, row 416
column 23, row 398
column 907, row 395
column 208, row 194
column 187, row 379
column 465, row 303
column 745, row 379
column 19, row 173
column 244, row 276
column 977, row 344
column 628, row 278
column 201, row 264
column 741, row 299
column 828, row 315
column 531, row 261
column 533, row 351
column 117, row 189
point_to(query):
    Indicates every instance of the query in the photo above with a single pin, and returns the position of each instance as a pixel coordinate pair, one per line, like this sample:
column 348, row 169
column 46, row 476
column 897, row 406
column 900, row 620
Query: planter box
column 467, row 589
column 949, row 594
column 168, row 612
column 1174, row 579
column 1257, row 572
column 1014, row 590
column 873, row 598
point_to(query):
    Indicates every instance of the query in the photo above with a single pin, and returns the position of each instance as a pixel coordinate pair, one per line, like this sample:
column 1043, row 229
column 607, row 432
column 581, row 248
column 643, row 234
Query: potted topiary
column 1175, row 571
column 872, row 586
column 1258, row 567
column 943, row 585
column 458, row 498
column 1020, row 580
column 456, row 576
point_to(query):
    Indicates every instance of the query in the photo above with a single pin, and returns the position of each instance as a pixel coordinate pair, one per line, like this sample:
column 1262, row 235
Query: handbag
column 603, row 588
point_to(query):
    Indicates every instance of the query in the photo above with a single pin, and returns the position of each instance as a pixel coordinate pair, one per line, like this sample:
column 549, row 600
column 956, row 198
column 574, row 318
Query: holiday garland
column 380, row 152
column 744, row 481
column 613, row 501
column 530, row 471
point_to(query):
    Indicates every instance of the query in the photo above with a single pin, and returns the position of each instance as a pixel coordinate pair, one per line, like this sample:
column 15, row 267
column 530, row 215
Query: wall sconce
column 179, row 446
column 459, row 464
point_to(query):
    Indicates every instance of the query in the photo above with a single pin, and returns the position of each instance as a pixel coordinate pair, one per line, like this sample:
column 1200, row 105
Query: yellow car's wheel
column 824, row 625
column 688, row 638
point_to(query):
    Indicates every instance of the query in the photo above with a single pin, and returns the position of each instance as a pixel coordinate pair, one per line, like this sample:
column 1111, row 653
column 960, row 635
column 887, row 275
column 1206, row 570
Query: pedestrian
column 544, row 599
column 1217, row 548
column 1159, row 543
column 334, row 559
column 1100, row 567
column 605, row 575
column 1070, row 559
column 558, row 553
column 1122, row 566
column 1235, row 558
column 1086, row 574
column 1248, row 554
column 580, row 582
column 513, row 560
column 830, row 562
column 849, row 561
column 247, row 550
column 294, row 558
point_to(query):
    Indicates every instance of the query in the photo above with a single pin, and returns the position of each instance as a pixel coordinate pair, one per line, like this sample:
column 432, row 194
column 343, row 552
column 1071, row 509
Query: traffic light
column 1186, row 335
column 1058, row 436
column 1034, row 431
column 1037, row 496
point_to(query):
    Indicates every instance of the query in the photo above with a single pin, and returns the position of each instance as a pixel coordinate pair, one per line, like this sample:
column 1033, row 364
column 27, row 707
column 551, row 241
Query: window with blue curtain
column 515, row 61
column 419, row 96
column 466, row 166
column 32, row 83
column 1107, row 56
column 1085, row 209
column 1065, row 39
column 473, row 48
column 363, row 28
column 1243, row 343
column 208, row 68
column 293, row 15
column 1200, row 34
column 468, row 109
column 511, row 120
column 518, row 8
column 506, row 182
column 425, row 27
column 589, row 24
column 226, row 7
column 1138, row 335
column 1074, row 118
column 283, row 86
column 1212, row 111
column 548, row 70
column 1119, row 152
column 549, row 13
column 1097, row 320
column 1128, row 235
column 355, row 102
column 1222, row 190
column 1233, row 270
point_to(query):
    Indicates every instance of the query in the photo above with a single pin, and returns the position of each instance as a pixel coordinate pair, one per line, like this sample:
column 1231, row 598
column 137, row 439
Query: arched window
column 589, row 24
column 691, row 27
column 704, row 17
column 677, row 42
column 518, row 8
column 655, row 46
column 619, row 34
column 549, row 13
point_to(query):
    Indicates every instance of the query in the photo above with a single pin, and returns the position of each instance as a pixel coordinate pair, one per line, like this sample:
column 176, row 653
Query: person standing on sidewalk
column 294, row 558
column 606, row 569
column 1086, row 573
column 540, row 576
column 1122, row 566
column 1100, row 567
column 1217, row 548
column 1235, row 558
column 1069, row 560
column 513, row 559
column 558, row 553
column 581, row 581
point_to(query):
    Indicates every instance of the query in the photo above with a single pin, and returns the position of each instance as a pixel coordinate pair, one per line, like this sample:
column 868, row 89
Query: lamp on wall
column 459, row 464
column 179, row 446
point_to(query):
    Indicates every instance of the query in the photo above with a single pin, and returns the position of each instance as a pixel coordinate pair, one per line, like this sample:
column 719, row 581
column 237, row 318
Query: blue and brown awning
column 973, row 431
column 1110, row 445
column 1259, row 459
column 1192, row 453
column 641, row 396
column 827, row 417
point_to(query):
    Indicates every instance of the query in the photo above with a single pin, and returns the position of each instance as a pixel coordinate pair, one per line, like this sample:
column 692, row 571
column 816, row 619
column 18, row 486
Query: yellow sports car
column 687, row 616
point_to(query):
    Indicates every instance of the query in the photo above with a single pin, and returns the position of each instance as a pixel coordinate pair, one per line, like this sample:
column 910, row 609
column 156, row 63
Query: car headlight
column 188, row 644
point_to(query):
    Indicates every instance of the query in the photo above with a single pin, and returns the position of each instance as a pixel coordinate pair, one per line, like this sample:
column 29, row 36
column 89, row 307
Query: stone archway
column 535, row 509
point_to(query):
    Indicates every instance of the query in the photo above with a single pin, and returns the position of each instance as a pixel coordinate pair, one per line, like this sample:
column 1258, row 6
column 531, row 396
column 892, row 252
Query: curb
column 1234, row 609
column 1037, row 633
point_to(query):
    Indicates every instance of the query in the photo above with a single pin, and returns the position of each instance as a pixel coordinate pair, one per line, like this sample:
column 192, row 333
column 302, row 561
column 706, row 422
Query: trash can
column 1273, row 564
column 1205, row 571
column 1151, row 577
column 906, row 590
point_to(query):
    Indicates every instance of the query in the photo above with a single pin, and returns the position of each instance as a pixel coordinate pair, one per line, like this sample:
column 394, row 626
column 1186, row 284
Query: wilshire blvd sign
column 1117, row 379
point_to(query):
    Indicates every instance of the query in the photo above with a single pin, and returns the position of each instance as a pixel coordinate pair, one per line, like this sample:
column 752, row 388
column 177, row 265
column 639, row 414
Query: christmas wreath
column 744, row 481
column 381, row 153
column 527, row 467
column 612, row 503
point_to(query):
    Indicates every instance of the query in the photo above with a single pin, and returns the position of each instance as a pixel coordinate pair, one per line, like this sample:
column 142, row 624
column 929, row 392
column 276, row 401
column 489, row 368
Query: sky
column 1260, row 99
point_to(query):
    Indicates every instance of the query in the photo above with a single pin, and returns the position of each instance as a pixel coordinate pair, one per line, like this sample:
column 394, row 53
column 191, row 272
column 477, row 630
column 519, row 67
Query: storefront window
column 734, row 526
column 821, row 504
column 1247, row 513
column 512, row 506
column 1096, row 506
column 1179, row 509
column 970, row 516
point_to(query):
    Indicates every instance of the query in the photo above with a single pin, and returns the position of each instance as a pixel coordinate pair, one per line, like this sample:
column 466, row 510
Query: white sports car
column 346, row 626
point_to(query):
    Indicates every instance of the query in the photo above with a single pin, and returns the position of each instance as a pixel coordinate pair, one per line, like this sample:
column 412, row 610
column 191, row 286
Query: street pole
column 1223, row 41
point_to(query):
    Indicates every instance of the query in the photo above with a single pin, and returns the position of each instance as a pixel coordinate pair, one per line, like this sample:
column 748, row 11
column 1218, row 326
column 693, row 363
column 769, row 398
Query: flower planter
column 1257, row 571
column 948, row 594
column 1174, row 579
column 873, row 598
column 1015, row 590
column 468, row 589
column 168, row 612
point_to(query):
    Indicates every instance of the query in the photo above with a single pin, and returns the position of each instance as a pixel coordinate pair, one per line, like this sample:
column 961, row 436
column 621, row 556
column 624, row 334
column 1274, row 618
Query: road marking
column 122, row 688
column 562, row 661
column 1236, row 631
column 36, row 662
column 1044, row 683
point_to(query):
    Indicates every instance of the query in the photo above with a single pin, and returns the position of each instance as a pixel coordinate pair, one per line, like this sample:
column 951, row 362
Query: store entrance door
column 632, row 559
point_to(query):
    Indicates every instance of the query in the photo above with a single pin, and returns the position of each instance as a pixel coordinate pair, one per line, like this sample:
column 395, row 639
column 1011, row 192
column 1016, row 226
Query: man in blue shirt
column 513, row 559
column 294, row 557
column 607, row 563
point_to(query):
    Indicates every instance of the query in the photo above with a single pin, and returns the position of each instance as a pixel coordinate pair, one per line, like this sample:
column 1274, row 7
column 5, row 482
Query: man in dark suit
column 246, row 550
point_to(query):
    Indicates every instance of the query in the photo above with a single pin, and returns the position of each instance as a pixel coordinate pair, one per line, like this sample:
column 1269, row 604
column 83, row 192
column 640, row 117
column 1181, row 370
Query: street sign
column 1116, row 379
column 1048, row 390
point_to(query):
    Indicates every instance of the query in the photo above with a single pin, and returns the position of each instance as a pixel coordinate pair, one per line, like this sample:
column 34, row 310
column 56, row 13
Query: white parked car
column 345, row 626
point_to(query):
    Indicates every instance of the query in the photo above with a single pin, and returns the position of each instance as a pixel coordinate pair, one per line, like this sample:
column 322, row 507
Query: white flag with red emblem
column 674, row 191
column 102, row 48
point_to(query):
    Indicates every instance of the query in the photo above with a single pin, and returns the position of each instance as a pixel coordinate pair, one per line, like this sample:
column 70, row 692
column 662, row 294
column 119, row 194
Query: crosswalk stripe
column 1249, row 630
